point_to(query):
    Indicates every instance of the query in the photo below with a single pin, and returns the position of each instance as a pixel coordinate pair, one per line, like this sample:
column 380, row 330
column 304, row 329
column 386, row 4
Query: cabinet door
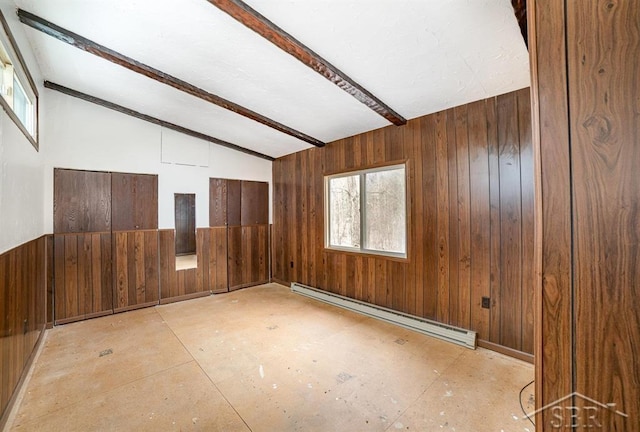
column 217, row 202
column 81, row 201
column 234, row 193
column 254, row 203
column 134, row 201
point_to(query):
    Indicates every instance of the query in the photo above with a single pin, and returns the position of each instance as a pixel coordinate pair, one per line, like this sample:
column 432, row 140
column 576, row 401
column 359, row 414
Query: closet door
column 82, row 245
column 135, row 240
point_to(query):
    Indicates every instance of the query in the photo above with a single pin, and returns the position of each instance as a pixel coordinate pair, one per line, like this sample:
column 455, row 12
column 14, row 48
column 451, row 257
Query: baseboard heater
column 466, row 338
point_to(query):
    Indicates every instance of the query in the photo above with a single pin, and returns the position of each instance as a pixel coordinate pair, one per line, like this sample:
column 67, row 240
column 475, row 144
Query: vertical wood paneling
column 510, row 222
column 554, row 369
column 23, row 280
column 83, row 276
column 428, row 188
column 254, row 203
column 176, row 285
column 235, row 275
column 480, row 216
column 457, row 205
column 462, row 311
column 528, row 220
column 442, row 217
column 136, row 256
column 603, row 58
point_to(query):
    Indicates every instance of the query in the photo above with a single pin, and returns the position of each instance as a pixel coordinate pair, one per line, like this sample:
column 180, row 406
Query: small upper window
column 367, row 211
column 19, row 95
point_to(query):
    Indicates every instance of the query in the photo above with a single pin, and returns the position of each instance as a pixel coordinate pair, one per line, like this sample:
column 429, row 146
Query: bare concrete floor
column 264, row 359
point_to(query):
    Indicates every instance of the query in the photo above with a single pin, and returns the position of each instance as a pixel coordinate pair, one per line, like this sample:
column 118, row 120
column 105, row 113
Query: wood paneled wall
column 585, row 58
column 23, row 314
column 210, row 275
column 470, row 183
column 213, row 259
column 106, row 243
column 248, row 250
column 136, row 274
column 84, row 275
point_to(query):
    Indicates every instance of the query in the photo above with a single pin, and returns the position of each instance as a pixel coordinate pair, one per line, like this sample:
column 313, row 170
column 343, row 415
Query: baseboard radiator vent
column 466, row 338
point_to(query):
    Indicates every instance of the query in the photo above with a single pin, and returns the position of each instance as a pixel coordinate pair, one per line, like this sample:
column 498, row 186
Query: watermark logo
column 590, row 414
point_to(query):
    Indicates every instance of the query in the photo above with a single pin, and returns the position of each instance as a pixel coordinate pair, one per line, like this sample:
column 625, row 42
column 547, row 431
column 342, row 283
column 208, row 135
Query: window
column 19, row 95
column 367, row 211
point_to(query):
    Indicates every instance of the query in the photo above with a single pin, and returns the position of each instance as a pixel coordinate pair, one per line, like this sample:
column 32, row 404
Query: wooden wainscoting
column 176, row 285
column 471, row 228
column 23, row 315
column 213, row 244
column 248, row 256
column 84, row 275
column 135, row 264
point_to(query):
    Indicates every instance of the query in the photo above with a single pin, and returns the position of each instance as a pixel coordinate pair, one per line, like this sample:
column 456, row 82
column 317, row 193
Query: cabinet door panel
column 81, row 201
column 217, row 202
column 254, row 203
column 134, row 201
column 234, row 191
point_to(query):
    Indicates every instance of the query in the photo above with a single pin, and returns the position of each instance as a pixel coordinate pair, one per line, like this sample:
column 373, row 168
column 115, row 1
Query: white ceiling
column 417, row 56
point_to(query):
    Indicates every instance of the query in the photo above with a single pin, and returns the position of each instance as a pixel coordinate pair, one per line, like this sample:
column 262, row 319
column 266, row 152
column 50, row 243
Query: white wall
column 82, row 135
column 21, row 166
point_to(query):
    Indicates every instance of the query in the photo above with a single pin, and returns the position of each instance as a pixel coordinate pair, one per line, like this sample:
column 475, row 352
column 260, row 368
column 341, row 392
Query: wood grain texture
column 603, row 59
column 455, row 197
column 234, row 202
column 254, row 203
column 81, row 201
column 217, row 202
column 185, row 223
column 135, row 262
column 177, row 285
column 23, row 280
column 554, row 367
column 248, row 256
column 83, row 276
column 134, row 201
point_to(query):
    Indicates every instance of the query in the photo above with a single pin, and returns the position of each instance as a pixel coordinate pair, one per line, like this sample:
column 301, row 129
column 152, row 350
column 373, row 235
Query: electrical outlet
column 486, row 302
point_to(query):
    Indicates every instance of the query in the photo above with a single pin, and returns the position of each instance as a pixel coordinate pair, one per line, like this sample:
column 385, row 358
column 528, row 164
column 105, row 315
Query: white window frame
column 363, row 213
column 26, row 83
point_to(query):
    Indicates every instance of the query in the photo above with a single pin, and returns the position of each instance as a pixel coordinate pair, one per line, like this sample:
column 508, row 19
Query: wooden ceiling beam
column 252, row 19
column 124, row 110
column 87, row 45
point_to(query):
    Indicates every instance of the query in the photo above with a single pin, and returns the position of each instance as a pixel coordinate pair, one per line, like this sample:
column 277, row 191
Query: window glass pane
column 344, row 211
column 22, row 105
column 385, row 220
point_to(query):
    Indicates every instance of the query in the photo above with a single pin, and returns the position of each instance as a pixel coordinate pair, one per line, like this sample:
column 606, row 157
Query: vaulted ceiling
column 380, row 61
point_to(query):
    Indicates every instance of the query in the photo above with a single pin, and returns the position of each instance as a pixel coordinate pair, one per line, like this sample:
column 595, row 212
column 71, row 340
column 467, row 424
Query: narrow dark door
column 185, row 224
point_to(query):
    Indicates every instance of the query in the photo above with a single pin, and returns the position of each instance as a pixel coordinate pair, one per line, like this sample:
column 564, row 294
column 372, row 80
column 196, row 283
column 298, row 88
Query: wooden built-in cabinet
column 241, row 208
column 83, row 275
column 105, row 243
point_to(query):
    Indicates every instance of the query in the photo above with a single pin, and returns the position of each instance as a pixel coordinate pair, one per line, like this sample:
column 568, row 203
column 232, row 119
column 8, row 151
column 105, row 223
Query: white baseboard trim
column 457, row 335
